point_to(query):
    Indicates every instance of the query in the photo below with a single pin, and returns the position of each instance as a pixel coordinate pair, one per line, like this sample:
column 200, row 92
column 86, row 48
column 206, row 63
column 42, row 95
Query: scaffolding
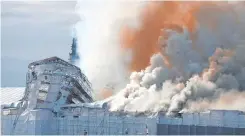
column 97, row 121
column 214, row 122
column 101, row 122
column 93, row 121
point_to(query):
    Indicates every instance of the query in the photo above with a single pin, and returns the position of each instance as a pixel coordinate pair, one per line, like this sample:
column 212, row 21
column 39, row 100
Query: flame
column 156, row 17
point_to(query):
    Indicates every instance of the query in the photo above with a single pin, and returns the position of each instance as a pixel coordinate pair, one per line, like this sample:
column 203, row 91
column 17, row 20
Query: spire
column 73, row 55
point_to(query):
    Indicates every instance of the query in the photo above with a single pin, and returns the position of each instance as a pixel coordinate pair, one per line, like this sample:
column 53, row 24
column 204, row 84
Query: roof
column 11, row 94
column 52, row 60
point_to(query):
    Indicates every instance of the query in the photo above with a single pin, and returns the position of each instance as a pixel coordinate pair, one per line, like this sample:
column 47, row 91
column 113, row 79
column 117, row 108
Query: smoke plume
column 98, row 39
column 184, row 57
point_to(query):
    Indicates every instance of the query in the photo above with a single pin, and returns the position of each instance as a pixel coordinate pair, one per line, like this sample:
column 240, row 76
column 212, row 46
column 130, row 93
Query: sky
column 30, row 31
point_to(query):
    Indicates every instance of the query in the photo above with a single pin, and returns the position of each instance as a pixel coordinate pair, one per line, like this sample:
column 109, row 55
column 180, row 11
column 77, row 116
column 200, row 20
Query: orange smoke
column 105, row 93
column 155, row 17
column 214, row 67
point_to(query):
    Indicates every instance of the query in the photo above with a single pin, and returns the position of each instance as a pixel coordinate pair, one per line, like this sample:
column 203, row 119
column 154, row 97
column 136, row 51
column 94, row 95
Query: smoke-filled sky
column 151, row 56
column 30, row 31
column 165, row 56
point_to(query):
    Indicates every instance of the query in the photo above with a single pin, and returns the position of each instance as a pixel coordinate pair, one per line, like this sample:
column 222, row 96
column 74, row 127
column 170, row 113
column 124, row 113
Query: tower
column 73, row 56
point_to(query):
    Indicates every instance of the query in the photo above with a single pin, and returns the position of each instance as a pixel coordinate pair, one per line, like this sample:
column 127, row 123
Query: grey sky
column 32, row 31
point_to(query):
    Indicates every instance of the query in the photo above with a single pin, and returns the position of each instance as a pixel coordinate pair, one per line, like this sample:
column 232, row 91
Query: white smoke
column 98, row 45
column 200, row 79
column 187, row 86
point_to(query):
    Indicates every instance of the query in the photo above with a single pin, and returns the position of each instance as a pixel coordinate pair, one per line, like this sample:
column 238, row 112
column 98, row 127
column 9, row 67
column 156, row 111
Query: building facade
column 58, row 100
column 50, row 83
column 99, row 121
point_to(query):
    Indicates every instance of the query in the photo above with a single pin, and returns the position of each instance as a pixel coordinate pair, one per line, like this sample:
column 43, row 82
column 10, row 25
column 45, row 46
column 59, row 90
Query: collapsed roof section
column 53, row 82
column 66, row 69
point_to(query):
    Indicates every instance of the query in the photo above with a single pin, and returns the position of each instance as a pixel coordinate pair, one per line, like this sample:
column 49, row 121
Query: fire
column 157, row 16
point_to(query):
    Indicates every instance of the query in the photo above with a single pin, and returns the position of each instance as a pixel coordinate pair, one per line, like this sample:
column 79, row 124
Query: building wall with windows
column 77, row 121
column 92, row 121
column 214, row 122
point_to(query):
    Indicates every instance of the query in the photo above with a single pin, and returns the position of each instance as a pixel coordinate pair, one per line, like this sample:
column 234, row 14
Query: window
column 42, row 93
column 6, row 112
column 34, row 75
column 44, row 87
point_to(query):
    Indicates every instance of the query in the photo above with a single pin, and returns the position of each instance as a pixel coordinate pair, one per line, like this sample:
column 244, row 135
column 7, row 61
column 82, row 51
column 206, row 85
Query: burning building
column 58, row 100
column 187, row 70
